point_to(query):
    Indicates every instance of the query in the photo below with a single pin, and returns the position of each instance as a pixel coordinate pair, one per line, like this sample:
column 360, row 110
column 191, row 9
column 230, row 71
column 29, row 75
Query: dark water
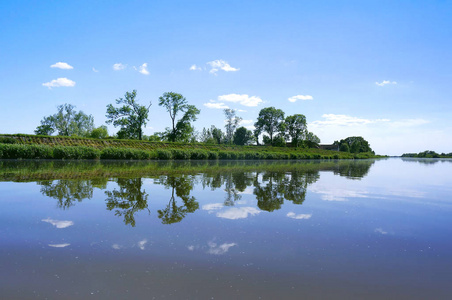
column 248, row 230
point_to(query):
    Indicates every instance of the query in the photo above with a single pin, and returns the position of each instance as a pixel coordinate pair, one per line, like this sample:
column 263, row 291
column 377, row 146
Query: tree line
column 272, row 127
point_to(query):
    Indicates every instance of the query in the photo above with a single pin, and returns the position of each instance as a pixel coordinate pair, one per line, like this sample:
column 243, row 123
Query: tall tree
column 232, row 121
column 217, row 134
column 270, row 120
column 67, row 122
column 176, row 103
column 296, row 128
column 131, row 116
column 243, row 136
column 312, row 141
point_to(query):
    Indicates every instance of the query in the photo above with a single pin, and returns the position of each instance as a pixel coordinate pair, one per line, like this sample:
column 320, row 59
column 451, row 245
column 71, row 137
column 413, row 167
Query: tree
column 67, row 122
column 131, row 117
column 312, row 141
column 100, row 132
column 217, row 134
column 176, row 103
column 296, row 128
column 344, row 147
column 232, row 121
column 356, row 144
column 270, row 120
column 243, row 136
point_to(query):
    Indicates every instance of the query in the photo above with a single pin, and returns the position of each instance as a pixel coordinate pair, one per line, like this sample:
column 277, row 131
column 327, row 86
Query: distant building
column 329, row 147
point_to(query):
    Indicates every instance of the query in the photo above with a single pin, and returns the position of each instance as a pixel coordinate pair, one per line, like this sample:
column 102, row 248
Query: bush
column 7, row 140
column 223, row 155
column 74, row 152
column 233, row 155
column 213, row 155
column 163, row 154
column 180, row 154
column 15, row 151
column 199, row 154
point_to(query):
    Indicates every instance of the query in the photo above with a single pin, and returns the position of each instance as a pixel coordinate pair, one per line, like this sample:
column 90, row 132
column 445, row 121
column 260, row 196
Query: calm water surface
column 247, row 230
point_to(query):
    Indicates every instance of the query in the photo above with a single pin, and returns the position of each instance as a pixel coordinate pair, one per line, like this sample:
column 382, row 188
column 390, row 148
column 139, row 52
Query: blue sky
column 379, row 69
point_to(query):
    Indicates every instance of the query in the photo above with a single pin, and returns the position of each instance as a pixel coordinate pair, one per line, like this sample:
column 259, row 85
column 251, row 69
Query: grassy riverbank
column 57, row 147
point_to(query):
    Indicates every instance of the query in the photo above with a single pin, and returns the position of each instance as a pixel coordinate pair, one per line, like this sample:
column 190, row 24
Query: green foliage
column 312, row 141
column 199, row 154
column 279, row 141
column 67, row 122
column 180, row 154
column 356, row 144
column 213, row 155
column 181, row 130
column 344, row 147
column 224, row 155
column 164, row 154
column 271, row 121
column 60, row 152
column 7, row 140
column 100, row 132
column 296, row 129
column 130, row 117
column 16, row 151
column 125, row 153
column 243, row 136
column 162, row 150
column 232, row 121
column 428, row 154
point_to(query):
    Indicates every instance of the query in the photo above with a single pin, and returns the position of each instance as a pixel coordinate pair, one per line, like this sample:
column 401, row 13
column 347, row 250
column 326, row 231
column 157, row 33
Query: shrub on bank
column 164, row 154
column 75, row 152
column 125, row 153
column 16, row 151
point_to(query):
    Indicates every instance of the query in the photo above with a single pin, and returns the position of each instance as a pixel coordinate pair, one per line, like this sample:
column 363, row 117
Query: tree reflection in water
column 67, row 191
column 128, row 200
column 271, row 184
column 180, row 186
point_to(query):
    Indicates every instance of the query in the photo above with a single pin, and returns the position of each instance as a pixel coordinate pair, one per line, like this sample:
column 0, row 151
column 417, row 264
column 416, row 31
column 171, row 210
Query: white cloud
column 216, row 105
column 62, row 65
column 59, row 82
column 293, row 215
column 58, row 223
column 409, row 122
column 143, row 69
column 300, row 97
column 219, row 64
column 242, row 99
column 235, row 213
column 385, row 82
column 336, row 193
column 117, row 246
column 142, row 243
column 221, row 249
column 380, row 230
column 344, row 120
column 213, row 206
column 94, row 70
column 58, row 245
column 195, row 68
column 191, row 248
column 119, row 67
column 246, row 122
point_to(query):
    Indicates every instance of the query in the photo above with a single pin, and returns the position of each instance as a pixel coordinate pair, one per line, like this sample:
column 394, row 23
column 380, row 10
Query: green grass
column 22, row 146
